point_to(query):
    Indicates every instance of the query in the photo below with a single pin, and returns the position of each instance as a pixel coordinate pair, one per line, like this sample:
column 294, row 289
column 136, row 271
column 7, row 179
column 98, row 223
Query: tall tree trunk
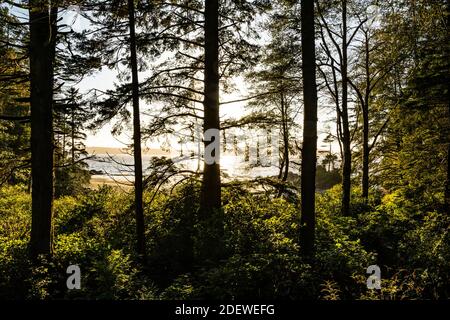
column 280, row 168
column 72, row 127
column 347, row 163
column 63, row 148
column 365, row 169
column 42, row 53
column 211, row 193
column 309, row 149
column 57, row 154
column 284, row 167
column 138, row 186
column 211, row 231
column 285, row 139
column 447, row 184
column 365, row 115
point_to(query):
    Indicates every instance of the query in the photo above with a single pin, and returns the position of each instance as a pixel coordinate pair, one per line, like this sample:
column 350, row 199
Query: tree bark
column 447, row 184
column 309, row 149
column 365, row 169
column 211, row 193
column 365, row 115
column 72, row 127
column 285, row 139
column 138, row 183
column 211, row 223
column 63, row 147
column 284, row 167
column 347, row 161
column 42, row 55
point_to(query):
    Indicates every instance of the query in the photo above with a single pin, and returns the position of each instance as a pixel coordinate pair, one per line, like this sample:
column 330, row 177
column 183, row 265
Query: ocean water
column 120, row 166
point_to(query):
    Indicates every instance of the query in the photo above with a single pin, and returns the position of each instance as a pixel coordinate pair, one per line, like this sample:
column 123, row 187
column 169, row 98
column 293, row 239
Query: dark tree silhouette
column 211, row 195
column 309, row 149
column 42, row 54
column 138, row 187
column 346, row 142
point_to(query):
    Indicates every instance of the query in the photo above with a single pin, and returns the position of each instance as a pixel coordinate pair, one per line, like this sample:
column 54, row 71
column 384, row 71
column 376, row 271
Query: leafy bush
column 14, row 268
column 15, row 209
column 260, row 256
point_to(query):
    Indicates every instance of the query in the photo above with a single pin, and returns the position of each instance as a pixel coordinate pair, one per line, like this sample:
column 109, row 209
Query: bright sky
column 106, row 78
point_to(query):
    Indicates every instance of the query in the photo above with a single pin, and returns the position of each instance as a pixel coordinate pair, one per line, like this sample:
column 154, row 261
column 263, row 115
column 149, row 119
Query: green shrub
column 259, row 252
column 15, row 212
column 14, row 268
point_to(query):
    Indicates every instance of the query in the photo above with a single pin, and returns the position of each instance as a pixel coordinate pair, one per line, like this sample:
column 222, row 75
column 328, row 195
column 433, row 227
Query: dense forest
column 347, row 99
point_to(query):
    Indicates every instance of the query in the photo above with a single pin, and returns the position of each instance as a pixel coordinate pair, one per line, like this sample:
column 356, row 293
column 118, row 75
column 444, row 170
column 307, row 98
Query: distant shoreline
column 116, row 151
column 97, row 180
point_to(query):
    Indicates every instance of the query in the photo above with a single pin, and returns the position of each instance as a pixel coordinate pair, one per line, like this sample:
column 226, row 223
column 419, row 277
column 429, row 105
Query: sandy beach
column 97, row 180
